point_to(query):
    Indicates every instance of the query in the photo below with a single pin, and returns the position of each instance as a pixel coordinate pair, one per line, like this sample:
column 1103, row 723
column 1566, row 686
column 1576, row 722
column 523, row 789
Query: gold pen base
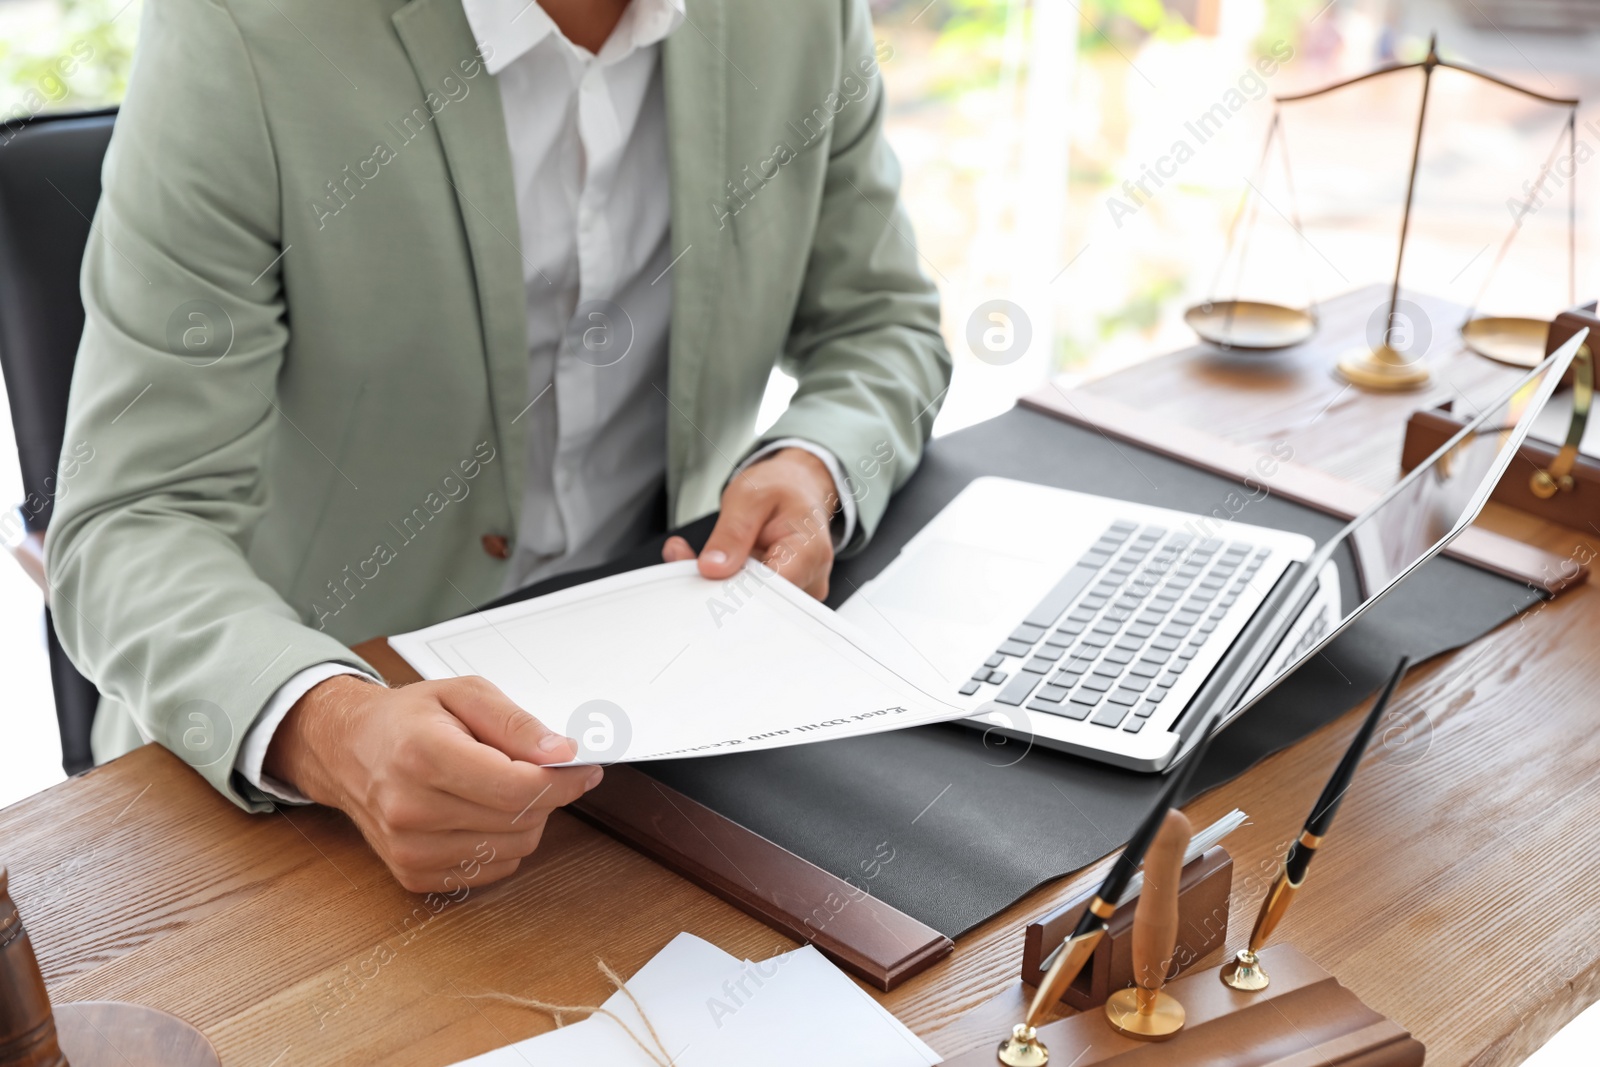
column 1145, row 1014
column 1023, row 1048
column 1382, row 368
column 1244, row 973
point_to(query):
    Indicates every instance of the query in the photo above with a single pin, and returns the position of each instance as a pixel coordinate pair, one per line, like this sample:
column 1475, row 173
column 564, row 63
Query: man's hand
column 442, row 778
column 779, row 509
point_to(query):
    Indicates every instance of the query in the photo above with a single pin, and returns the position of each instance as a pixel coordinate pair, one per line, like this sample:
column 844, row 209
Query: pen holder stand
column 1304, row 1018
column 94, row 1033
column 1203, row 894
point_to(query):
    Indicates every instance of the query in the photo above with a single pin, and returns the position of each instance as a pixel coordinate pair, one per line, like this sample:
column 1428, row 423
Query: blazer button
column 496, row 546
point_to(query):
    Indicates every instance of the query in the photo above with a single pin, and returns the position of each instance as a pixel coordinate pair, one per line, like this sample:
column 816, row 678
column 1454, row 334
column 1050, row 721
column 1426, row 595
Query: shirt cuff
column 844, row 525
column 253, row 752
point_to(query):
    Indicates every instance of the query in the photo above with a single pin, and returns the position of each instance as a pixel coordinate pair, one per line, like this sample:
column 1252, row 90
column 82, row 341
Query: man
column 392, row 307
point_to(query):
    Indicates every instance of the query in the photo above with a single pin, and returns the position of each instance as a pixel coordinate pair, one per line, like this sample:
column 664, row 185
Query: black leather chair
column 49, row 186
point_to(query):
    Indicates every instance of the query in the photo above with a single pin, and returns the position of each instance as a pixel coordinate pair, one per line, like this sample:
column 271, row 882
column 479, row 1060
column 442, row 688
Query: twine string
column 658, row 1055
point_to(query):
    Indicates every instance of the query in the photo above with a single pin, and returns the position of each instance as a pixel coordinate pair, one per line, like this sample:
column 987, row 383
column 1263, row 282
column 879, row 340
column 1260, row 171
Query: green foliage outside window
column 75, row 57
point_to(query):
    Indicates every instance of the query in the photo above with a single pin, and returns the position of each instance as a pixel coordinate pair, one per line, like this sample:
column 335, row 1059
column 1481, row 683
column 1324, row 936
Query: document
column 709, row 1009
column 661, row 663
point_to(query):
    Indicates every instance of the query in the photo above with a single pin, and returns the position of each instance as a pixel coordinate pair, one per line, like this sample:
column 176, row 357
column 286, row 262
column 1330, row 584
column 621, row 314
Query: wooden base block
column 1305, row 1018
column 109, row 1033
column 1202, row 925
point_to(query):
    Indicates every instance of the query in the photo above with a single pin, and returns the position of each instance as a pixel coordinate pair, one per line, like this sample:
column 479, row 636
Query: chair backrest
column 49, row 186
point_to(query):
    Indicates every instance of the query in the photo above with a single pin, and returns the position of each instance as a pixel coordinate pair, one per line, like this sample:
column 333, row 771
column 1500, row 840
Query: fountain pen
column 1245, row 971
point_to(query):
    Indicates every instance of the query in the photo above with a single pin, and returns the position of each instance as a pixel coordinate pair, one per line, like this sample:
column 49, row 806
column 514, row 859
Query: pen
column 1245, row 971
column 1077, row 949
column 1202, row 842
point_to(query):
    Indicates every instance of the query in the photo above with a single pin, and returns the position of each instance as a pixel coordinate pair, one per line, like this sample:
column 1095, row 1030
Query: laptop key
column 1039, row 665
column 1066, row 709
column 1087, row 697
column 1054, row 694
column 1094, row 559
column 1129, row 644
column 1165, row 644
column 1155, row 695
column 1076, row 666
column 1145, row 710
column 1144, row 670
column 1094, row 640
column 1093, row 603
column 1135, row 683
column 1049, row 652
column 969, row 688
column 1166, row 681
column 994, row 660
column 1117, row 655
column 1110, row 670
column 1014, row 648
column 1096, row 683
column 1027, row 634
column 1139, row 629
column 1048, row 610
column 1133, row 725
column 996, row 677
column 1107, row 626
column 1110, row 715
column 1069, row 628
column 1018, row 689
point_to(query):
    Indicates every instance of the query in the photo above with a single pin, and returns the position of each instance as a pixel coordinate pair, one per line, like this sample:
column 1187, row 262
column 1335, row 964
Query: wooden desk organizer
column 1577, row 507
column 1203, row 893
column 1305, row 1018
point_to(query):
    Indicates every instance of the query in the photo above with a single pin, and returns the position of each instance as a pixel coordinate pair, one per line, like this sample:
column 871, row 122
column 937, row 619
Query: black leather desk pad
column 976, row 824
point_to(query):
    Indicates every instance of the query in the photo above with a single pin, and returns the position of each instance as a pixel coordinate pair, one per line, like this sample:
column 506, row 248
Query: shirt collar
column 510, row 28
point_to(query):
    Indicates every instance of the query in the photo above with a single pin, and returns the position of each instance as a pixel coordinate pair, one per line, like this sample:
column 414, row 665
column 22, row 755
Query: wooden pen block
column 1305, row 1018
column 1203, row 894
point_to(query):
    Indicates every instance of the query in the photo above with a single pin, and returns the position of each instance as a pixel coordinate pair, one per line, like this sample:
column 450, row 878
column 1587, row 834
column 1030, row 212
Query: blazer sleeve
column 865, row 346
column 173, row 404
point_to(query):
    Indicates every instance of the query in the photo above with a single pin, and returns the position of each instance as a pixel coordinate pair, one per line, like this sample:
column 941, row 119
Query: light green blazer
column 302, row 382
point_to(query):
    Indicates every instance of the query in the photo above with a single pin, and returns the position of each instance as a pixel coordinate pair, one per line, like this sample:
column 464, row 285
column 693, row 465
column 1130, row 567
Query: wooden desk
column 1457, row 895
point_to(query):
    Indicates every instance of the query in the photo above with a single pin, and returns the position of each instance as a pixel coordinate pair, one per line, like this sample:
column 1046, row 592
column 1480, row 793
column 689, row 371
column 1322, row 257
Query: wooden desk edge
column 862, row 934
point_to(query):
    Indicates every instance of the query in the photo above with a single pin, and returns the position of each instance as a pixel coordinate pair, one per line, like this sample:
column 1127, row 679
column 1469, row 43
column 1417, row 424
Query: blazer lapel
column 472, row 131
column 695, row 80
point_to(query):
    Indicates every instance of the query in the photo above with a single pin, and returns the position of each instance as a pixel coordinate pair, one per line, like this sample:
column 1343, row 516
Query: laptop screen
column 1416, row 518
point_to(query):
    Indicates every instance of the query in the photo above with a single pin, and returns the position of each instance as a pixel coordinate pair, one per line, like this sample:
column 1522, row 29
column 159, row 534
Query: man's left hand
column 780, row 510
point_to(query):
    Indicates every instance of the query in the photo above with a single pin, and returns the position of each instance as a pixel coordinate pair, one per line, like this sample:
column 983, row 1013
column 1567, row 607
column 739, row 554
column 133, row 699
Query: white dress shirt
column 588, row 139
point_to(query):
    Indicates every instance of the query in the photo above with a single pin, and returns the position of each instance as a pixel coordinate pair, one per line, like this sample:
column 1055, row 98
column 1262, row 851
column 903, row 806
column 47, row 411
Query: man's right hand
column 442, row 778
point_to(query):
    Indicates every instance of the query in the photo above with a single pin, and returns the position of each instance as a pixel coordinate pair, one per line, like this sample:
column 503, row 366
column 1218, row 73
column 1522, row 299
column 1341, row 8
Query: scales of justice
column 1258, row 326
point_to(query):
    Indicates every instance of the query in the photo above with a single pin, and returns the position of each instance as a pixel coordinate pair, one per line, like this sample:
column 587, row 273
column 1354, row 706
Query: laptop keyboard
column 1120, row 627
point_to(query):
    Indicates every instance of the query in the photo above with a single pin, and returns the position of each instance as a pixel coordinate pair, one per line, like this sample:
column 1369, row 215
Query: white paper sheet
column 660, row 662
column 710, row 1010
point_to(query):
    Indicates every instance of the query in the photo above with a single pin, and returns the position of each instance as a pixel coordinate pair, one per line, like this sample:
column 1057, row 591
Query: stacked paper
column 710, row 1009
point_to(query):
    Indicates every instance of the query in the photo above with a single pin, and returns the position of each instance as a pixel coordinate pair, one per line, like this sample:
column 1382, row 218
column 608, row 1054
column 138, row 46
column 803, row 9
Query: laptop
column 1120, row 631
